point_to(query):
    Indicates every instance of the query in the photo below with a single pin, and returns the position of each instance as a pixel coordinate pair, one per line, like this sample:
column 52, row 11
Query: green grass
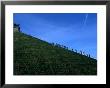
column 33, row 56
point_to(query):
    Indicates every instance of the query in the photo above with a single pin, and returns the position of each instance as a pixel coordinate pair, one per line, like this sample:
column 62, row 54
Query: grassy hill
column 33, row 56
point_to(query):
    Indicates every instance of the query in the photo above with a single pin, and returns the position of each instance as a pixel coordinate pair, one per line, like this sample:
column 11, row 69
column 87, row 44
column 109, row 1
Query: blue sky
column 74, row 30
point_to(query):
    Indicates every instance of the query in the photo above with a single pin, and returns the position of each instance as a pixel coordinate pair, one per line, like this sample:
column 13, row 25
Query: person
column 19, row 29
column 89, row 56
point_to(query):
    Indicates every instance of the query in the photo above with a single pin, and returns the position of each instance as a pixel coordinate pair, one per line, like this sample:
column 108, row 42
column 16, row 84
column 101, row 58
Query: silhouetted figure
column 62, row 46
column 65, row 47
column 75, row 50
column 81, row 52
column 53, row 44
column 58, row 45
column 89, row 55
column 19, row 29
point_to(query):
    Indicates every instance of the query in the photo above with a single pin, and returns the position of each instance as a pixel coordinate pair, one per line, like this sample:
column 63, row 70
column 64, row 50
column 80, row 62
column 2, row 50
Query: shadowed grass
column 33, row 56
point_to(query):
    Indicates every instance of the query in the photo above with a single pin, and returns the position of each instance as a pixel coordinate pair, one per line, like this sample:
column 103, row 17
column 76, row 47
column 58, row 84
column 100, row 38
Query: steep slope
column 33, row 56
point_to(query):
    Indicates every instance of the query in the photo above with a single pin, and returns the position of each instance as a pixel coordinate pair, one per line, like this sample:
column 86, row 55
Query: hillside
column 33, row 56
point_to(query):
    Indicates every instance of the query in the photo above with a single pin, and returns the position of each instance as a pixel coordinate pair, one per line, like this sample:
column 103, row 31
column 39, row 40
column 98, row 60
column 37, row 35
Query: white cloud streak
column 85, row 21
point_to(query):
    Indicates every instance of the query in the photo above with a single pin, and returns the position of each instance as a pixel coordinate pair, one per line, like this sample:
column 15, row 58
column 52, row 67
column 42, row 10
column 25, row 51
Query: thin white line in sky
column 85, row 20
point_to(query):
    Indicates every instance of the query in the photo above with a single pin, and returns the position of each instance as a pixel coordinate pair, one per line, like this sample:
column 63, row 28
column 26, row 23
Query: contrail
column 85, row 20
